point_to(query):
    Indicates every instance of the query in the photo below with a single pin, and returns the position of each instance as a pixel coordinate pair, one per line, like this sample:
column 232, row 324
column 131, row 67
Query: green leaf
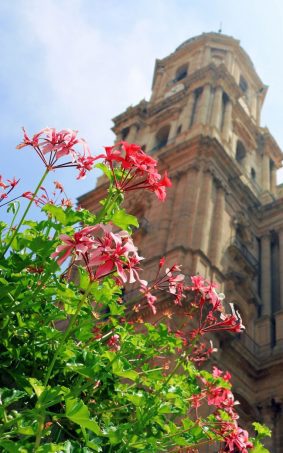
column 37, row 386
column 10, row 396
column 51, row 396
column 117, row 368
column 259, row 448
column 124, row 220
column 78, row 413
column 262, row 430
column 106, row 170
column 66, row 217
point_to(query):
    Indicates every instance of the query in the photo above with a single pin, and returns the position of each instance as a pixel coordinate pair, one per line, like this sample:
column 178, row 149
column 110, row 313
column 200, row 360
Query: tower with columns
column 223, row 216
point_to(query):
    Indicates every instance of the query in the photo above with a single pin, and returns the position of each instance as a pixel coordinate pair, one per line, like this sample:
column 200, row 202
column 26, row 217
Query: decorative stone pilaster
column 273, row 179
column 216, row 232
column 187, row 209
column 265, row 275
column 172, row 133
column 265, row 172
column 206, row 55
column 188, row 110
column 203, row 213
column 263, row 324
column 279, row 314
column 227, row 124
column 204, row 104
column 217, row 108
column 132, row 135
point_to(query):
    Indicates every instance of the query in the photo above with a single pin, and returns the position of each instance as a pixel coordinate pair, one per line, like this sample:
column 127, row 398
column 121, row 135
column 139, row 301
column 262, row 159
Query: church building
column 223, row 216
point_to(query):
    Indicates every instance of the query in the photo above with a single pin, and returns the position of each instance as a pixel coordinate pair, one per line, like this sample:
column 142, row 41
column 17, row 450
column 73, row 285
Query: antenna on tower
column 220, row 28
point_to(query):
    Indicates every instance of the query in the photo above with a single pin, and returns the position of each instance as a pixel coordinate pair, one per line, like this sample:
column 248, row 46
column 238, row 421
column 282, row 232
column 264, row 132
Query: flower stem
column 66, row 335
column 26, row 211
column 68, row 331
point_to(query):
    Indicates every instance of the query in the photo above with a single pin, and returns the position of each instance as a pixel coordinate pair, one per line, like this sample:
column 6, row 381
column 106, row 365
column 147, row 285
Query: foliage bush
column 80, row 370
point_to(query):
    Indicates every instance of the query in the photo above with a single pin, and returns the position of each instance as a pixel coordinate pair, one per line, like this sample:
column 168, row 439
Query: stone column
column 202, row 222
column 263, row 324
column 204, row 104
column 279, row 314
column 186, row 211
column 265, row 275
column 273, row 179
column 151, row 141
column 172, row 132
column 229, row 61
column 254, row 106
column 265, row 172
column 165, row 220
column 216, row 232
column 206, row 55
column 188, row 110
column 217, row 108
column 227, row 125
column 132, row 135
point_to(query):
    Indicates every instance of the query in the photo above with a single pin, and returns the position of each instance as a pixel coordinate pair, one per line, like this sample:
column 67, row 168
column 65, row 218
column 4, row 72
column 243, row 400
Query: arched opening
column 179, row 129
column 225, row 100
column 181, row 73
column 253, row 174
column 161, row 138
column 125, row 133
column 240, row 152
column 243, row 84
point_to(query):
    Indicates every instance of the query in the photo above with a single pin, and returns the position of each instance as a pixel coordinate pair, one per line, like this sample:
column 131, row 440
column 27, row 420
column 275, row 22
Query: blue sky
column 78, row 63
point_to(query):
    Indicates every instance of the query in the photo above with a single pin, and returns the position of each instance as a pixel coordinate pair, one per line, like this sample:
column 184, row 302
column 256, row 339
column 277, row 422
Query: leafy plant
column 81, row 369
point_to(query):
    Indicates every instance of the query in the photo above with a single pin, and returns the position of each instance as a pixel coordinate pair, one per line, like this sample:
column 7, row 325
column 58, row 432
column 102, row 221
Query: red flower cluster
column 137, row 169
column 102, row 252
column 171, row 281
column 114, row 342
column 55, row 145
column 219, row 395
column 212, row 316
column 7, row 187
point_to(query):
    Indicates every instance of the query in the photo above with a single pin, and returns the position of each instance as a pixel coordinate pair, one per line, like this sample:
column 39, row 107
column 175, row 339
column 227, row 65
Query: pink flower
column 2, row 184
column 13, row 182
column 58, row 186
column 114, row 342
column 102, row 252
column 238, row 440
column 79, row 244
column 58, row 145
column 138, row 170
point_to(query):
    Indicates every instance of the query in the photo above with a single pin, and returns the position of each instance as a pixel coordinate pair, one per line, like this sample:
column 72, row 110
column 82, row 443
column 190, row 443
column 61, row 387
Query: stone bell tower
column 223, row 216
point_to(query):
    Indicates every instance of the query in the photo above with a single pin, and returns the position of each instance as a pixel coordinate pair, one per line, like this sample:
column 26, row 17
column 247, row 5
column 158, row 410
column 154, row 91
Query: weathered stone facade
column 223, row 217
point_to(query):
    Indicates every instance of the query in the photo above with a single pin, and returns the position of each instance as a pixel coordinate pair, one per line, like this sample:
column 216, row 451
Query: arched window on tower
column 125, row 133
column 243, row 84
column 225, row 100
column 240, row 152
column 197, row 98
column 161, row 137
column 181, row 73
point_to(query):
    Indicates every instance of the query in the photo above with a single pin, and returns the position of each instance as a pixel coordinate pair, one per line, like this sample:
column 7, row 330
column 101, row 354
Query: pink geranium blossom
column 102, row 252
column 138, row 170
column 51, row 146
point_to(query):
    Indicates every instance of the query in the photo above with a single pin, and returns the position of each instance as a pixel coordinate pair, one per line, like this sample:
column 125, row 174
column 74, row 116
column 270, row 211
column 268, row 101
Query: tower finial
column 220, row 28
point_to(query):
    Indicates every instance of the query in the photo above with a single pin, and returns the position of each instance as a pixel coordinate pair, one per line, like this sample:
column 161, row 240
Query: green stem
column 110, row 201
column 15, row 215
column 26, row 211
column 66, row 335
